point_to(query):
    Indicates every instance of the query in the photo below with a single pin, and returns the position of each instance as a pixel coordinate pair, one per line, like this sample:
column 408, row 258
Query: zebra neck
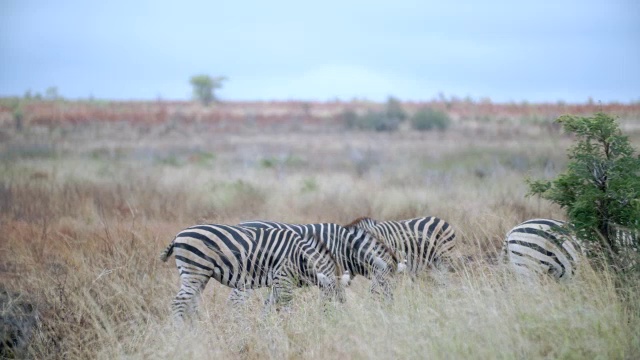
column 389, row 238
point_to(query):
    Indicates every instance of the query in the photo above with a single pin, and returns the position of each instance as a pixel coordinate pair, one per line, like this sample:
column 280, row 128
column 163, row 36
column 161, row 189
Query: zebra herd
column 281, row 256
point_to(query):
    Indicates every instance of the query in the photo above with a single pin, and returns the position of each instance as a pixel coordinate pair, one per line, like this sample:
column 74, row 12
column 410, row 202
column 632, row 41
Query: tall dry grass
column 82, row 230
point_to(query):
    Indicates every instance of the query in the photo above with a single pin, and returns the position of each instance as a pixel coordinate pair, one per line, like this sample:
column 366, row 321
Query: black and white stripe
column 627, row 241
column 421, row 242
column 244, row 258
column 354, row 249
column 542, row 246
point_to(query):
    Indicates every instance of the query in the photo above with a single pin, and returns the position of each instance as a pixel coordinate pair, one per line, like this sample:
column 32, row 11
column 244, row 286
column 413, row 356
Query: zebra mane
column 382, row 244
column 360, row 220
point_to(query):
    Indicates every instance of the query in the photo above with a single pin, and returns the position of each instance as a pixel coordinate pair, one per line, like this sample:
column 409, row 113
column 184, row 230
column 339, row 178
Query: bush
column 600, row 188
column 372, row 120
column 430, row 119
column 350, row 119
column 379, row 121
column 394, row 110
column 388, row 119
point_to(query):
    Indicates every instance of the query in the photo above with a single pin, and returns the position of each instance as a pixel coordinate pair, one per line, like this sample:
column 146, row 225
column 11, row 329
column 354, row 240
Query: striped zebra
column 627, row 241
column 354, row 249
column 421, row 242
column 243, row 258
column 542, row 246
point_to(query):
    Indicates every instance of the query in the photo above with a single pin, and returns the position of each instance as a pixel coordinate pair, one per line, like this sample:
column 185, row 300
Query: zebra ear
column 323, row 280
column 402, row 265
column 345, row 279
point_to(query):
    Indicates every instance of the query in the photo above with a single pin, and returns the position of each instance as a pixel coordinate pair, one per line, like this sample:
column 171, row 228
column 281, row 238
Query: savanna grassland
column 87, row 206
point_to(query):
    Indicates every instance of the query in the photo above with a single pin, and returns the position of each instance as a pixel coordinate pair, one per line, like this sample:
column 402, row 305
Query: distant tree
column 204, row 87
column 600, row 188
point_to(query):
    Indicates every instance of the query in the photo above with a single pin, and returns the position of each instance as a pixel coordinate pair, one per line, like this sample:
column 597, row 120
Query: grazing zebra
column 542, row 246
column 354, row 249
column 421, row 242
column 244, row 258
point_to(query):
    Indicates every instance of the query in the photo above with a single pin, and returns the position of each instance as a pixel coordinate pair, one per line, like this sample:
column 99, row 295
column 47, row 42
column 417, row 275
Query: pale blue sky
column 506, row 50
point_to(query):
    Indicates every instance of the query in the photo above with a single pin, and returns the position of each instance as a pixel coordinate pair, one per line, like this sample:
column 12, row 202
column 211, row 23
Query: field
column 87, row 202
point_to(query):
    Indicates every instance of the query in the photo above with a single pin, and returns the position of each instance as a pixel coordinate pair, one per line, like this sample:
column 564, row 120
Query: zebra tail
column 164, row 255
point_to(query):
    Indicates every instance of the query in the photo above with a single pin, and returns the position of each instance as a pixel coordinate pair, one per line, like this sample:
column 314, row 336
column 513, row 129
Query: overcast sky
column 537, row 50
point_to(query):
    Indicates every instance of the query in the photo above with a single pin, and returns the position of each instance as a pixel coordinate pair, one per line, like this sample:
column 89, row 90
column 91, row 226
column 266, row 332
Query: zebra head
column 324, row 262
column 402, row 266
column 378, row 255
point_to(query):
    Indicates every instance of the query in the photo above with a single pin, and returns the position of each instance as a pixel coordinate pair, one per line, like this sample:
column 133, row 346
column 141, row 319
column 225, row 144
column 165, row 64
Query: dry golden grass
column 83, row 222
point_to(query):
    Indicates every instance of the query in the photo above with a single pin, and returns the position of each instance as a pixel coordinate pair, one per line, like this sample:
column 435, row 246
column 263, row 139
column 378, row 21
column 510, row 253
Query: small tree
column 600, row 188
column 204, row 87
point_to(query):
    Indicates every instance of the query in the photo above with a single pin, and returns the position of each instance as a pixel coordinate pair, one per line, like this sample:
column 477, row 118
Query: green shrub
column 600, row 188
column 430, row 119
column 378, row 121
column 372, row 120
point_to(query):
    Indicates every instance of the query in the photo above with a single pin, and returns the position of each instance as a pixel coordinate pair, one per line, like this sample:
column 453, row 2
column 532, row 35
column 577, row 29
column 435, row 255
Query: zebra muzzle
column 345, row 279
column 402, row 266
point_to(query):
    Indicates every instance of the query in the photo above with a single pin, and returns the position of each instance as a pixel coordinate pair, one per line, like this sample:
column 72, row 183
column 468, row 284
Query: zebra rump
column 542, row 246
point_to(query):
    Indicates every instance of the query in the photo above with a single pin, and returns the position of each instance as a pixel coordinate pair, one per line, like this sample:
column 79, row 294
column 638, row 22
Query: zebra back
column 357, row 252
column 539, row 246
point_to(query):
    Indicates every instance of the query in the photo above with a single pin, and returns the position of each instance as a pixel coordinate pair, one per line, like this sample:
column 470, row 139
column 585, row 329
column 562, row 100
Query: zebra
column 542, row 246
column 627, row 240
column 244, row 258
column 355, row 250
column 421, row 242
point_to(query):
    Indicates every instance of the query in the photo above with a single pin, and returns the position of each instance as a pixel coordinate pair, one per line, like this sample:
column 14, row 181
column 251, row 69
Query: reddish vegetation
column 286, row 113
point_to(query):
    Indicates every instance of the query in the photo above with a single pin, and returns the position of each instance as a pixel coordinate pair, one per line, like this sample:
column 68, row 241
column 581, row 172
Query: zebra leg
column 238, row 301
column 239, row 297
column 186, row 300
column 281, row 293
column 439, row 271
column 381, row 287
